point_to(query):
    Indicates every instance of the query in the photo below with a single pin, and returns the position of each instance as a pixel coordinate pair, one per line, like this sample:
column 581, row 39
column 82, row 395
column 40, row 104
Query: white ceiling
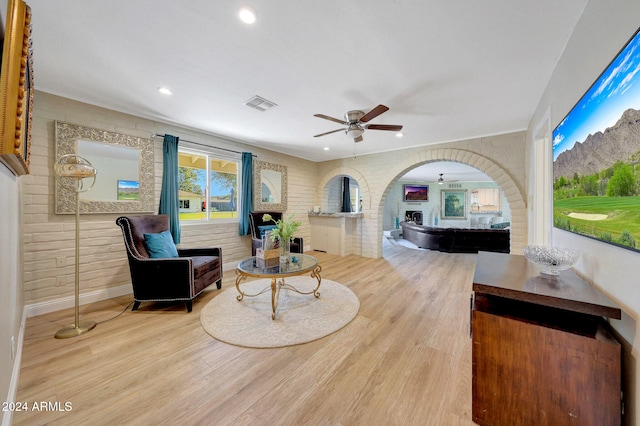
column 451, row 172
column 447, row 69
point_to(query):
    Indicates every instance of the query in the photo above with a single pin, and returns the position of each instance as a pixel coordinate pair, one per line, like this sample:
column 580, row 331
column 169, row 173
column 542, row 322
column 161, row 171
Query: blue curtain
column 246, row 202
column 346, row 195
column 169, row 194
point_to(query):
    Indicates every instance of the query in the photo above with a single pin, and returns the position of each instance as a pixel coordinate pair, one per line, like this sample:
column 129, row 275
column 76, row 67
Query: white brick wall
column 500, row 157
column 49, row 239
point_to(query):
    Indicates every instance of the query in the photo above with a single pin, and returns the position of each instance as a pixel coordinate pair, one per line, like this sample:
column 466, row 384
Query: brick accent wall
column 501, row 157
column 49, row 239
column 49, row 247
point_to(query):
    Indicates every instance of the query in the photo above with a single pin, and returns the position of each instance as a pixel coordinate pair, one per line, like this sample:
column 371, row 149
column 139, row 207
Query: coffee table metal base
column 276, row 285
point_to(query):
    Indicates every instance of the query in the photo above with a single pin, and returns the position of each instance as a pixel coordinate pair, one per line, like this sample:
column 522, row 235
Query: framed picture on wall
column 415, row 193
column 453, row 204
column 16, row 89
column 128, row 190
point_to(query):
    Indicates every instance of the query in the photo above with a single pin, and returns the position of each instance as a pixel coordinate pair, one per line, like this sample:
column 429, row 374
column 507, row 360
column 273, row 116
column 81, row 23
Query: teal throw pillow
column 501, row 225
column 265, row 228
column 160, row 245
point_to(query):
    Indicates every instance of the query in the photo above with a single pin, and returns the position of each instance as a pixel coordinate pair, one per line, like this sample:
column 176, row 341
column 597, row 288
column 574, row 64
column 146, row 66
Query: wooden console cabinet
column 542, row 353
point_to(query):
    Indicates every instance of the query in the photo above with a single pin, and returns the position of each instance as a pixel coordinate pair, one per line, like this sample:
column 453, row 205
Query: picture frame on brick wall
column 16, row 89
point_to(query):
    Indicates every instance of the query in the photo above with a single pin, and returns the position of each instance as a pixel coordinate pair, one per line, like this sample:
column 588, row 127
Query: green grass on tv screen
column 611, row 219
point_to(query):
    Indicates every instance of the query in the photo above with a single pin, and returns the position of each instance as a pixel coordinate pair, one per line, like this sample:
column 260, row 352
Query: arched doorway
column 333, row 191
column 375, row 189
column 421, row 195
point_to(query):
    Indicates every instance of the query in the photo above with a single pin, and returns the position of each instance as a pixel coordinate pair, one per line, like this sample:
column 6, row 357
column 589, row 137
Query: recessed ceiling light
column 165, row 90
column 247, row 15
column 326, row 148
column 399, row 135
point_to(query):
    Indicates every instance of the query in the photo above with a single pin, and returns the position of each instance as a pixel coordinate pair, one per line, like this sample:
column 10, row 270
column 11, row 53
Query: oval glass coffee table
column 253, row 267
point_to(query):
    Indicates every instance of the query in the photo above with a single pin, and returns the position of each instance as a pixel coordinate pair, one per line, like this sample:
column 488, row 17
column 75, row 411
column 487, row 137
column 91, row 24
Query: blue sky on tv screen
column 128, row 184
column 616, row 90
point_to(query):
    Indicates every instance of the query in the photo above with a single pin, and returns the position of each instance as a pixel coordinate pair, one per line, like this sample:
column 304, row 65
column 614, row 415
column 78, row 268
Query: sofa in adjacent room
column 456, row 240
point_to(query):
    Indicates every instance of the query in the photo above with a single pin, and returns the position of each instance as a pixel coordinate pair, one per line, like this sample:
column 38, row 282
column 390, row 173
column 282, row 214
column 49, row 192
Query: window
column 208, row 186
column 356, row 200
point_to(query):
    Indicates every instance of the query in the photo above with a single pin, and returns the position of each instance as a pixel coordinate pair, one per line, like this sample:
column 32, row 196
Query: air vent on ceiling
column 260, row 103
column 455, row 185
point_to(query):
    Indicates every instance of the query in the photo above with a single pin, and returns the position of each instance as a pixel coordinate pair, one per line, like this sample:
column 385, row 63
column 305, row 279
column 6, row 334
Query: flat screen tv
column 415, row 192
column 596, row 156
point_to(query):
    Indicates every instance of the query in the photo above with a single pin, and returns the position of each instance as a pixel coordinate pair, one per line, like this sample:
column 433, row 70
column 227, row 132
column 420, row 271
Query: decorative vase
column 397, row 223
column 285, row 250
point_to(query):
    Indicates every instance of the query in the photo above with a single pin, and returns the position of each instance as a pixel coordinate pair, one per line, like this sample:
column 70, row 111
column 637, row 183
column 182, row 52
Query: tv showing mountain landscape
column 416, row 193
column 596, row 156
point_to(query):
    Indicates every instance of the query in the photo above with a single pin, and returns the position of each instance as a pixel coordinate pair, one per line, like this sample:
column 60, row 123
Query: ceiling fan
column 354, row 121
column 442, row 181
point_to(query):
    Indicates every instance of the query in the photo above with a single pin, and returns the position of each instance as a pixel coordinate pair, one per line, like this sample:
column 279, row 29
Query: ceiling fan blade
column 374, row 113
column 328, row 133
column 358, row 139
column 326, row 117
column 392, row 127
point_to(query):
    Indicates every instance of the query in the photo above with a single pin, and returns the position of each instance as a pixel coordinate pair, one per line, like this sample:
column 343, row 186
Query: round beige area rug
column 300, row 318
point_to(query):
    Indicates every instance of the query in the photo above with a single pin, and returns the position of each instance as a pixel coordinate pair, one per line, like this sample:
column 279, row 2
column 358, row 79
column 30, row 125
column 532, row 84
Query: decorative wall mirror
column 125, row 178
column 269, row 187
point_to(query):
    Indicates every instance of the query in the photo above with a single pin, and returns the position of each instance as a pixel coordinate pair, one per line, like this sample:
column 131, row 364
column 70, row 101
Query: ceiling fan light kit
column 354, row 119
column 441, row 180
column 354, row 130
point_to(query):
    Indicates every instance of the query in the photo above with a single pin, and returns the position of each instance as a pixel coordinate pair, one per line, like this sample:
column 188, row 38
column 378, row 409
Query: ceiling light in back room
column 247, row 15
column 165, row 90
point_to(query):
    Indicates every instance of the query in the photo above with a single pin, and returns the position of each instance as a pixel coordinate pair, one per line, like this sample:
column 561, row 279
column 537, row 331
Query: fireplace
column 414, row 215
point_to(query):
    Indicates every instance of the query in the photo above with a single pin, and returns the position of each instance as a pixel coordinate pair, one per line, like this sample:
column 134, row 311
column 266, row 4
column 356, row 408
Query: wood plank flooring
column 404, row 360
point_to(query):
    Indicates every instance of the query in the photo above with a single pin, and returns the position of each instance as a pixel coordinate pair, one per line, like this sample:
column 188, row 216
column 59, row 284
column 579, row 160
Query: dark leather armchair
column 167, row 279
column 255, row 220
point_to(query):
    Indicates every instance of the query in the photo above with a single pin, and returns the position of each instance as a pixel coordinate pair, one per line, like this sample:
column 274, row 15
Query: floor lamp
column 78, row 175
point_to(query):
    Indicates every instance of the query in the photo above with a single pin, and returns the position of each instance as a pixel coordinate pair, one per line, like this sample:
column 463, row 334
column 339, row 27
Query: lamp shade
column 77, row 170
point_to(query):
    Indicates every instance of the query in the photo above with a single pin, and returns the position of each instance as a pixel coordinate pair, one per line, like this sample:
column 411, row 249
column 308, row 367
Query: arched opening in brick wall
column 332, row 191
column 374, row 196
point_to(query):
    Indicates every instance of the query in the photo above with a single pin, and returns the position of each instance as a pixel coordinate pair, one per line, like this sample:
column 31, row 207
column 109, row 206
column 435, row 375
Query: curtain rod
column 155, row 135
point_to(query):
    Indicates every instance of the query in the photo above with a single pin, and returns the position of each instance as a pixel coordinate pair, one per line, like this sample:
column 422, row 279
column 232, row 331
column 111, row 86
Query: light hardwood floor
column 404, row 360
